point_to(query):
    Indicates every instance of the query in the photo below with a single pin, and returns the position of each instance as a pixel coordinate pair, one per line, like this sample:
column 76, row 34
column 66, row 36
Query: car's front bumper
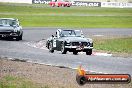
column 11, row 34
column 78, row 48
column 74, row 47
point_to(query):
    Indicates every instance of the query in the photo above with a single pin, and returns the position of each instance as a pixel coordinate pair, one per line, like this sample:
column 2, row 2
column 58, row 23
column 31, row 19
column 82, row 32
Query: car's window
column 67, row 33
column 70, row 33
column 8, row 22
column 78, row 33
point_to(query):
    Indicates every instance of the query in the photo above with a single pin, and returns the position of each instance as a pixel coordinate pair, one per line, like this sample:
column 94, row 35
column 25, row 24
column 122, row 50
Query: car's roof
column 68, row 30
column 9, row 18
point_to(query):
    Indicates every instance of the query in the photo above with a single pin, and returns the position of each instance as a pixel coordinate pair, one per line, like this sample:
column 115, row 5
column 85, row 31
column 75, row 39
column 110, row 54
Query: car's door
column 58, row 44
column 54, row 43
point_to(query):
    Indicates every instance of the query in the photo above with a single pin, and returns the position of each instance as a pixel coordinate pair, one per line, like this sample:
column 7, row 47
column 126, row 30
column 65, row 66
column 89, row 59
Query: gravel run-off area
column 54, row 77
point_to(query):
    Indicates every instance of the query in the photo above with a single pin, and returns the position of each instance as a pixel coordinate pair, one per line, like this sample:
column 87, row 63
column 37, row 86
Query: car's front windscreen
column 78, row 33
column 70, row 33
column 8, row 22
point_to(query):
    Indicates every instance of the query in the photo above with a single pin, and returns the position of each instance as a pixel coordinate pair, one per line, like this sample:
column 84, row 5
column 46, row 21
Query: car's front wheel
column 50, row 48
column 20, row 37
column 63, row 49
column 89, row 52
column 75, row 52
column 17, row 38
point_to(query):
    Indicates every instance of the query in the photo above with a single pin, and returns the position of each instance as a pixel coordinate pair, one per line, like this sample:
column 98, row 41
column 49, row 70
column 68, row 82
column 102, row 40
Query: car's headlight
column 68, row 41
column 16, row 30
column 13, row 33
column 90, row 40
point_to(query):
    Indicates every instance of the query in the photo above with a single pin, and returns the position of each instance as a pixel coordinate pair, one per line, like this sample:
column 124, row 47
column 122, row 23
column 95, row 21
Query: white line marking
column 101, row 54
column 39, row 45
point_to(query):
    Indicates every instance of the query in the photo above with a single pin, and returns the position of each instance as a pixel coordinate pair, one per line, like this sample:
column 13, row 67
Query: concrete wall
column 105, row 0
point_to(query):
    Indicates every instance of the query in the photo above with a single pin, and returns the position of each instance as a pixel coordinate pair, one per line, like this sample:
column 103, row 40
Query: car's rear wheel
column 89, row 52
column 51, row 47
column 63, row 49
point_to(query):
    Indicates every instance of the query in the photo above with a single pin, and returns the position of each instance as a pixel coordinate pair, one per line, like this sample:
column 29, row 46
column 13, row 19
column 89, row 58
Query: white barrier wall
column 116, row 4
column 78, row 3
column 105, row 0
column 17, row 1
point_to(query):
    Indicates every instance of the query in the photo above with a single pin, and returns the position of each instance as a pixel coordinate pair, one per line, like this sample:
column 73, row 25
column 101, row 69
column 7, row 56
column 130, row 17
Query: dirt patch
column 42, row 75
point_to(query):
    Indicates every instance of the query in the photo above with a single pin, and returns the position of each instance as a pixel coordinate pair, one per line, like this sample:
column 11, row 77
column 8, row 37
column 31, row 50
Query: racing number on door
column 54, row 43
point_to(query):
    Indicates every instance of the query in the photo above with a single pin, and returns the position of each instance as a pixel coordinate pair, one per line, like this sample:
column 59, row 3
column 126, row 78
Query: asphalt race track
column 93, row 63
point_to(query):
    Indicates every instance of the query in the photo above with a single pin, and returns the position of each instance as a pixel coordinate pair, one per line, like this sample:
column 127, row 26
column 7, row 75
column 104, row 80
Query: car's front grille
column 80, row 44
column 84, row 43
column 75, row 43
column 5, row 32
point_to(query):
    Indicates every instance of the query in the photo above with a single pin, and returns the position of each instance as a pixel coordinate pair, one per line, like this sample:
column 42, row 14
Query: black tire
column 20, row 37
column 51, row 47
column 75, row 52
column 89, row 52
column 17, row 38
column 63, row 49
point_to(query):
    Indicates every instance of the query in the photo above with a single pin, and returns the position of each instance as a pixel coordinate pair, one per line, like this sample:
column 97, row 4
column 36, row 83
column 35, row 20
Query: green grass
column 16, row 82
column 73, row 17
column 121, row 45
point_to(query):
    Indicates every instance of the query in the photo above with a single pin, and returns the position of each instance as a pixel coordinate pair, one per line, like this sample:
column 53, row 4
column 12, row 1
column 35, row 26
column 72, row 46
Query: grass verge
column 80, row 17
column 16, row 82
column 120, row 45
